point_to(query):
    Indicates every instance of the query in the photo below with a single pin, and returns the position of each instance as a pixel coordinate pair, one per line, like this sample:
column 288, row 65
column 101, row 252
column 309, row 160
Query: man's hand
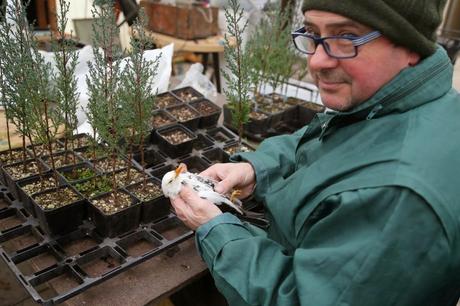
column 231, row 176
column 193, row 210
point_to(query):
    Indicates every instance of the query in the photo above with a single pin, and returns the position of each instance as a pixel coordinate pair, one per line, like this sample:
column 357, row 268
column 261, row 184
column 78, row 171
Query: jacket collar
column 411, row 88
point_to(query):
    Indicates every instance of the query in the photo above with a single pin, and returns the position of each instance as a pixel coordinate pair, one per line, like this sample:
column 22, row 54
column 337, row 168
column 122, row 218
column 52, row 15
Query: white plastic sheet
column 160, row 82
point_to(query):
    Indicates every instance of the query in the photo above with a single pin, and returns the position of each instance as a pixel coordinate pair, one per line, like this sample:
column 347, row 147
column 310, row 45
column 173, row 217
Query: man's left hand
column 193, row 210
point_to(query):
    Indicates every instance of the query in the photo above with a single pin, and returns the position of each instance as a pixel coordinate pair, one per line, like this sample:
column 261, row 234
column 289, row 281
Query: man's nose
column 321, row 60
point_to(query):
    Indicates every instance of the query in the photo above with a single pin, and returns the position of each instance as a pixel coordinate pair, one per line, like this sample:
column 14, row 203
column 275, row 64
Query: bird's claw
column 234, row 195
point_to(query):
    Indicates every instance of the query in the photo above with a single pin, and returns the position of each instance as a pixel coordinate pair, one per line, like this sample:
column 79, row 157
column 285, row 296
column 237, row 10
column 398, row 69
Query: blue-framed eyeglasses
column 335, row 46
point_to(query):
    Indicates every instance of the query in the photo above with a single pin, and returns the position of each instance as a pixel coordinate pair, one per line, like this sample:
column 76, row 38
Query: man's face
column 344, row 83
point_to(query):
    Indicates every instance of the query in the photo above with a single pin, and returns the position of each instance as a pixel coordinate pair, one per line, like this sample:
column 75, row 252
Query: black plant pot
column 166, row 99
column 222, row 136
column 253, row 127
column 63, row 219
column 10, row 181
column 152, row 159
column 152, row 209
column 209, row 112
column 202, row 143
column 161, row 118
column 216, row 155
column 66, row 172
column 26, row 197
column 195, row 164
column 192, row 118
column 112, row 225
column 175, row 149
column 187, row 94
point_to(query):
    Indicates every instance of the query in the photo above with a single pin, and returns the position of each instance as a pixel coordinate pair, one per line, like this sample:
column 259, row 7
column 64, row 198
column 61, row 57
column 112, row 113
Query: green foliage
column 238, row 78
column 26, row 86
column 271, row 51
column 94, row 186
column 65, row 82
column 77, row 174
column 105, row 112
column 137, row 100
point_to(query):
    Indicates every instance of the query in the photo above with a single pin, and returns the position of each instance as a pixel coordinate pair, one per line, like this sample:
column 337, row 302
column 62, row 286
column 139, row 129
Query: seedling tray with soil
column 80, row 259
column 162, row 118
column 16, row 155
column 175, row 140
column 166, row 100
column 185, row 115
column 187, row 94
column 209, row 112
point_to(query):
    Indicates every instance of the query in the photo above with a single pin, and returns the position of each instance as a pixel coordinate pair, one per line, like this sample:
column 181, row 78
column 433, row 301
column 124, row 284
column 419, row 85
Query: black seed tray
column 78, row 260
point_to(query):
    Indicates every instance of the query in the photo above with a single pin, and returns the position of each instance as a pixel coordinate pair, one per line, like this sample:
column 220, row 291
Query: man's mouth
column 329, row 85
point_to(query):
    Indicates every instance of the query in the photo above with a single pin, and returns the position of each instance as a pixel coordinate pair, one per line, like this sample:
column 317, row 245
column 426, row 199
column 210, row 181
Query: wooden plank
column 16, row 140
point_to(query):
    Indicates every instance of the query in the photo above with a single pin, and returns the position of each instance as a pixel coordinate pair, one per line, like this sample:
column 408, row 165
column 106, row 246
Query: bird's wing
column 197, row 182
column 220, row 199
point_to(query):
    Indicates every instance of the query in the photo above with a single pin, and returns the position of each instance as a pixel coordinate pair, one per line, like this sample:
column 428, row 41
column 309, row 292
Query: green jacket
column 364, row 205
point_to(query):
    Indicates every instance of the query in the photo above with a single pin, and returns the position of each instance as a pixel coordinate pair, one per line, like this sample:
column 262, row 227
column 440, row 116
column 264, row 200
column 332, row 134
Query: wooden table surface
column 213, row 44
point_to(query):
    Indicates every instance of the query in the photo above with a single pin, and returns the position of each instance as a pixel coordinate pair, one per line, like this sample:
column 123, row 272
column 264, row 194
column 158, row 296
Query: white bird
column 173, row 181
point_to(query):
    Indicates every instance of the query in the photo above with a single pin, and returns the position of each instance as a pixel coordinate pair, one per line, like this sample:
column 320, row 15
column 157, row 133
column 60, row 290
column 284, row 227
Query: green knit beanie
column 408, row 23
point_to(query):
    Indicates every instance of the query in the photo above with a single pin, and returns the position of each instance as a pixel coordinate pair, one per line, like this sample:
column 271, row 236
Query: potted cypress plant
column 117, row 211
column 237, row 78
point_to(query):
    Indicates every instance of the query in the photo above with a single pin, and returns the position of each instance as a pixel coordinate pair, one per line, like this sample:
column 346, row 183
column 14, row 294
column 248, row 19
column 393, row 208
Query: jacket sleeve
column 274, row 159
column 365, row 244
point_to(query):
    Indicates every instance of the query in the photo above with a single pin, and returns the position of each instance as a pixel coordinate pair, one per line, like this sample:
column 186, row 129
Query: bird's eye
column 170, row 181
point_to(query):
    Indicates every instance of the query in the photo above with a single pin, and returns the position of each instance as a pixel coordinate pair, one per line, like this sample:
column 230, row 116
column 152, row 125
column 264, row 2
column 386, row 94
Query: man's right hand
column 232, row 176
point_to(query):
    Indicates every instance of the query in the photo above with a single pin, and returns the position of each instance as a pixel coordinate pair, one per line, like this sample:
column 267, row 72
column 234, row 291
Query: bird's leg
column 234, row 195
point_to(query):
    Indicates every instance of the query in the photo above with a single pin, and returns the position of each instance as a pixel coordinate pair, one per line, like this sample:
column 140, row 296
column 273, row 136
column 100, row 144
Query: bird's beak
column 181, row 168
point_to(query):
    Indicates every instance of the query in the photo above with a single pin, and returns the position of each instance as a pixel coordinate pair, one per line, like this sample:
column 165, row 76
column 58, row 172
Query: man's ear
column 413, row 58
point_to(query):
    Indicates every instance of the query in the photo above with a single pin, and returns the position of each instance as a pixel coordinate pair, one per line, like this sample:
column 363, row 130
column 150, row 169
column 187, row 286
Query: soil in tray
column 257, row 115
column 165, row 101
column 78, row 246
column 37, row 263
column 122, row 180
column 186, row 95
column 94, row 186
column 106, row 164
column 234, row 149
column 42, row 149
column 16, row 156
column 112, row 203
column 18, row 172
column 182, row 113
column 39, row 185
column 100, row 265
column 79, row 174
column 271, row 108
column 145, row 193
column 57, row 198
column 204, row 108
column 176, row 137
column 159, row 120
column 62, row 160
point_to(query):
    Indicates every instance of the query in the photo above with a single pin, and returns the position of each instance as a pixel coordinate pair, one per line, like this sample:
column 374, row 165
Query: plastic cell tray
column 76, row 261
